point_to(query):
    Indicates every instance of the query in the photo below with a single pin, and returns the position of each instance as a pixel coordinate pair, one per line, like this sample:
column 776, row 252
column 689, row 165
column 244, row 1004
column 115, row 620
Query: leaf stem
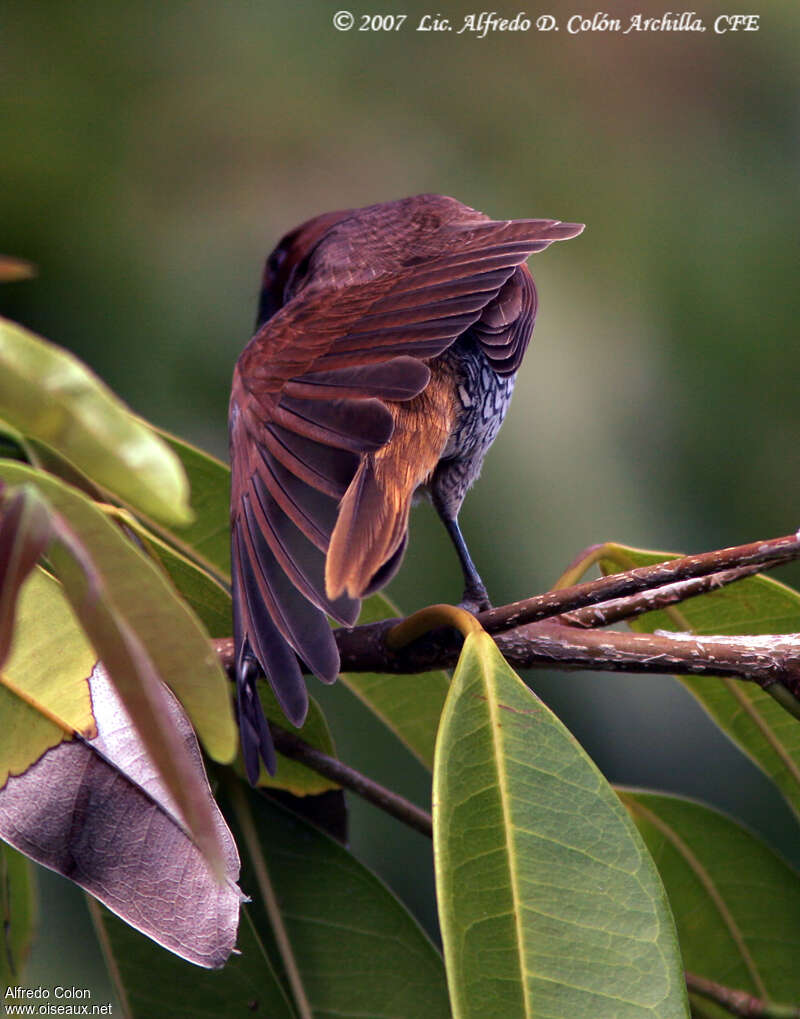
column 96, row 914
column 431, row 618
column 245, row 819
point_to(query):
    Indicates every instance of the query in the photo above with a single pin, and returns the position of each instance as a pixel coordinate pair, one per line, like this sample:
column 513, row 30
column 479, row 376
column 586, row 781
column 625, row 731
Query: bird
column 387, row 342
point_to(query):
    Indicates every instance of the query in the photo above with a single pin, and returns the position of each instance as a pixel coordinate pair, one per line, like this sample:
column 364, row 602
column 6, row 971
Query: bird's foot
column 475, row 600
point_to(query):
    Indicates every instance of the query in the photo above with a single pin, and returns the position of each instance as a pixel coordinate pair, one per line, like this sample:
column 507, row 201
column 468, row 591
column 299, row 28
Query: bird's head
column 287, row 265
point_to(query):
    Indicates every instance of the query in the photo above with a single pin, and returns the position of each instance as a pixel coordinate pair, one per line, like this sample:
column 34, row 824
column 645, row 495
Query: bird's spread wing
column 309, row 401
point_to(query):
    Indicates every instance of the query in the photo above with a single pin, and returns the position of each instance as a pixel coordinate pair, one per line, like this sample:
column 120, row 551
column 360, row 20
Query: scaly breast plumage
column 483, row 399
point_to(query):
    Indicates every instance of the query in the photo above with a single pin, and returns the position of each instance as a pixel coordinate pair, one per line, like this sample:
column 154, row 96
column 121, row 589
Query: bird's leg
column 475, row 598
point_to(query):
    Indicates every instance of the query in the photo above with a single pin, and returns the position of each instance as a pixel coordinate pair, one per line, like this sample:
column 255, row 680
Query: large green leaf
column 291, row 775
column 752, row 719
column 209, row 599
column 150, row 982
column 42, row 455
column 549, row 902
column 208, row 536
column 17, row 915
column 49, row 394
column 736, row 903
column 409, row 705
column 44, row 689
column 140, row 595
column 357, row 951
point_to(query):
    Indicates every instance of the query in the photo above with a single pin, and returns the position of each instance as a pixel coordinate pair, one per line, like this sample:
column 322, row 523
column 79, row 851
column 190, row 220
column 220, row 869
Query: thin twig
column 739, row 1003
column 641, row 578
column 290, row 745
column 608, row 612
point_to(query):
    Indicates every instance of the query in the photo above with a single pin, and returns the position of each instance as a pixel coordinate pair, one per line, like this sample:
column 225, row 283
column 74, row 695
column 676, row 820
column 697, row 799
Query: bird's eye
column 276, row 259
column 298, row 274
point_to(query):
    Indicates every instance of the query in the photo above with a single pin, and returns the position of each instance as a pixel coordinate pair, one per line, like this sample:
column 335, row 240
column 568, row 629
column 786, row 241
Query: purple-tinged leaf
column 112, row 589
column 139, row 685
column 24, row 535
column 98, row 812
column 14, row 269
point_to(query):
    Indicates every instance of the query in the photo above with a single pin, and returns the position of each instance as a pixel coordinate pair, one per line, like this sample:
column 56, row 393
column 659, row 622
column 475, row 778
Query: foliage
column 554, row 900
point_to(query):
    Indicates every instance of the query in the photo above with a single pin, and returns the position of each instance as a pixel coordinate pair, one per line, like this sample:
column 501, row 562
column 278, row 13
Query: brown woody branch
column 558, row 629
column 763, row 554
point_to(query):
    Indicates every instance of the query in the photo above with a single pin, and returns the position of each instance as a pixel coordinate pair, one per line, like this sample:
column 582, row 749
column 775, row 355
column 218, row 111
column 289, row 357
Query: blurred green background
column 152, row 154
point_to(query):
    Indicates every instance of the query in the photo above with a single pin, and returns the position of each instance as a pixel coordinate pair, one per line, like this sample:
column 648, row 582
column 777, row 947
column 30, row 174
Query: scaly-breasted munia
column 387, row 345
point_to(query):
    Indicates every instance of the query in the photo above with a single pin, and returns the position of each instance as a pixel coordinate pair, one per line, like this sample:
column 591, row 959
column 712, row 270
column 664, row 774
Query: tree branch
column 619, row 609
column 764, row 554
column 558, row 628
column 290, row 745
column 739, row 1003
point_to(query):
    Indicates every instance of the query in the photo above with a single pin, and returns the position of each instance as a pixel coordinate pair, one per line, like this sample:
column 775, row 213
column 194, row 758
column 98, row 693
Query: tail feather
column 369, row 538
column 372, row 523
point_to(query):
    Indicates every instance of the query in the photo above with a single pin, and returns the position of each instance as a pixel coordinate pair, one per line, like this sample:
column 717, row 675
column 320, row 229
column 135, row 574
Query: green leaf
column 208, row 537
column 736, row 903
column 44, row 689
column 290, row 775
column 358, row 952
column 549, row 903
column 151, row 982
column 49, row 394
column 140, row 595
column 768, row 734
column 42, row 455
column 408, row 705
column 201, row 590
column 17, row 915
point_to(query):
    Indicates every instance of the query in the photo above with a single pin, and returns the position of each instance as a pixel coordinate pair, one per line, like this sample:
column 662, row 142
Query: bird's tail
column 368, row 541
column 372, row 523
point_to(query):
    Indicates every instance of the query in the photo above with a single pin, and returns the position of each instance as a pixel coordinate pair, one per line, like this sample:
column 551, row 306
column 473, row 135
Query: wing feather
column 309, row 404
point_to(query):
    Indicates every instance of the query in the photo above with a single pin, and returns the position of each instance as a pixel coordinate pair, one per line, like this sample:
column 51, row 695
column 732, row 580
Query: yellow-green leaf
column 752, row 719
column 549, row 902
column 24, row 535
column 44, row 688
column 162, row 623
column 49, row 394
column 408, row 705
column 17, row 914
column 736, row 903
